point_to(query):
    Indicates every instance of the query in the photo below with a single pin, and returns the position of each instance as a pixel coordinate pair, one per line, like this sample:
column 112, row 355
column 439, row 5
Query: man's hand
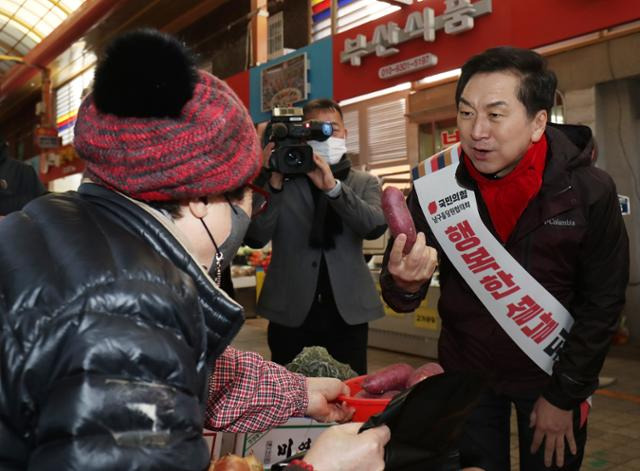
column 321, row 176
column 321, row 392
column 276, row 179
column 554, row 426
column 412, row 270
column 341, row 447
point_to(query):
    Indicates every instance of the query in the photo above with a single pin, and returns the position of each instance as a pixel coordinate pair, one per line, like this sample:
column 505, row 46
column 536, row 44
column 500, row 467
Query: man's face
column 495, row 131
column 331, row 116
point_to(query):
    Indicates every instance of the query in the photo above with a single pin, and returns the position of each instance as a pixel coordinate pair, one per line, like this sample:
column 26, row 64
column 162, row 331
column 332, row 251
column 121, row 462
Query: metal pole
column 334, row 17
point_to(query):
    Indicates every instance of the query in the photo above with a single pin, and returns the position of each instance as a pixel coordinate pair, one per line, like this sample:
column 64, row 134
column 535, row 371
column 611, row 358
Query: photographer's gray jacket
column 292, row 276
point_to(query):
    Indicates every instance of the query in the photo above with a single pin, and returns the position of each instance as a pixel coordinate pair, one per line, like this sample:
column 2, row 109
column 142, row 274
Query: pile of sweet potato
column 392, row 380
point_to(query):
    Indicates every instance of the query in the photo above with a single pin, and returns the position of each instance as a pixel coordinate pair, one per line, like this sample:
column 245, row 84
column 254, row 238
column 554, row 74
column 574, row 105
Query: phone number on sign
column 410, row 65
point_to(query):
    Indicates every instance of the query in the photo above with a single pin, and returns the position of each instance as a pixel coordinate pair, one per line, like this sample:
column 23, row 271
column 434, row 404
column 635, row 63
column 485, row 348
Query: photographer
column 318, row 289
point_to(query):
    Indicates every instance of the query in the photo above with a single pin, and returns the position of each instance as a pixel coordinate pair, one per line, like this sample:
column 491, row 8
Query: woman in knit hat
column 111, row 318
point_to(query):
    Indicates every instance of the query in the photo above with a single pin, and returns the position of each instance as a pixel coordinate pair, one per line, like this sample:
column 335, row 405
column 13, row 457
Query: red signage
column 60, row 163
column 240, row 84
column 454, row 30
column 448, row 139
column 65, row 170
column 46, row 138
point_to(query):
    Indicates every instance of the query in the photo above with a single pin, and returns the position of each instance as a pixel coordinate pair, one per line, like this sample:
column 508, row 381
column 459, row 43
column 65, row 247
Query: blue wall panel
column 320, row 75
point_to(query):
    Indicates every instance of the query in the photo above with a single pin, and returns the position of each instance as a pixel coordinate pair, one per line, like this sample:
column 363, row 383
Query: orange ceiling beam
column 69, row 31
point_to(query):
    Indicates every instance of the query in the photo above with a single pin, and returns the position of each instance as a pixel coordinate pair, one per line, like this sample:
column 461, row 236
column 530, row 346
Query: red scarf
column 507, row 197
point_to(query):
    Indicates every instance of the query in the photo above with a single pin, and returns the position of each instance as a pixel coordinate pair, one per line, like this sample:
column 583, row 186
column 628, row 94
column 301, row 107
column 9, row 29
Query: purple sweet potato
column 390, row 394
column 362, row 394
column 393, row 377
column 398, row 216
column 424, row 371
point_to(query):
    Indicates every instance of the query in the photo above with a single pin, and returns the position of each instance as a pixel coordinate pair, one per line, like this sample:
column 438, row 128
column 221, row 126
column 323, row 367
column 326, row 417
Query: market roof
column 24, row 23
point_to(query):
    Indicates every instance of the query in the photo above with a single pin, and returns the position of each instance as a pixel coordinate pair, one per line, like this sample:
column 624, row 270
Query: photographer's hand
column 276, row 179
column 321, row 176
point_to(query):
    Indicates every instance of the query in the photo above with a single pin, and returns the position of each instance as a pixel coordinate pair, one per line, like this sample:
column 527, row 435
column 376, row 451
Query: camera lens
column 293, row 158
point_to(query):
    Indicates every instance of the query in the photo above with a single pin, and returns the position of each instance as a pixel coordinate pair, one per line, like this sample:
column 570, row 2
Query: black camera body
column 289, row 132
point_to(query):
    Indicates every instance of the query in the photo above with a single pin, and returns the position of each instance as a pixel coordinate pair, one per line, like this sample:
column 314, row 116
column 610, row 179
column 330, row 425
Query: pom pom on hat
column 145, row 74
column 157, row 129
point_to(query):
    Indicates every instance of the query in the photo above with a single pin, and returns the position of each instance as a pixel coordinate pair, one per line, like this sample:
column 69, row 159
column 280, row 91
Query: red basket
column 365, row 408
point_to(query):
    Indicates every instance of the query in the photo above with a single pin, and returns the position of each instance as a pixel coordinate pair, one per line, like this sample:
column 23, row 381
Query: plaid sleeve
column 250, row 394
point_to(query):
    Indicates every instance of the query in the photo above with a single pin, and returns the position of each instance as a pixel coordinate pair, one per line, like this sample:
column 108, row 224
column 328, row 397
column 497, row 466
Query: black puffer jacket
column 571, row 238
column 109, row 328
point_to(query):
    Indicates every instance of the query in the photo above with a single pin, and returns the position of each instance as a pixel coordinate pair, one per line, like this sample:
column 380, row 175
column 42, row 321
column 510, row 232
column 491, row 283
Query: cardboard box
column 292, row 437
column 214, row 441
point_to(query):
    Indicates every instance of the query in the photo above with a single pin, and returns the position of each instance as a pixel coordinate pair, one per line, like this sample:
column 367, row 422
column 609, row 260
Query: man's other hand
column 414, row 269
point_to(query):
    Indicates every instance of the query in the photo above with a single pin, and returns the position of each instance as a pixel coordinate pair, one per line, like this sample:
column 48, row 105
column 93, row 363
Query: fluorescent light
column 390, row 170
column 440, row 76
column 384, row 91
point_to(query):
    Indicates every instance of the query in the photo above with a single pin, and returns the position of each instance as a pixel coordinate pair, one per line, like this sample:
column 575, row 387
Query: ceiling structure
column 47, row 31
column 31, row 26
column 25, row 23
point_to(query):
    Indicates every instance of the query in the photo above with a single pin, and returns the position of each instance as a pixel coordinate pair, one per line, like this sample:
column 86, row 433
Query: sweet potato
column 236, row 463
column 392, row 377
column 398, row 216
column 362, row 394
column 390, row 394
column 230, row 463
column 424, row 371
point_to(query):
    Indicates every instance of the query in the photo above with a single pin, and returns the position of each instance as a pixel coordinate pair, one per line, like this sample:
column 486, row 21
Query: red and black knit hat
column 157, row 129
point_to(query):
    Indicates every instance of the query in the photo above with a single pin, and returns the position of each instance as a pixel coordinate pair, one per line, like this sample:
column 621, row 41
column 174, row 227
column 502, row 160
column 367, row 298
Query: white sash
column 527, row 312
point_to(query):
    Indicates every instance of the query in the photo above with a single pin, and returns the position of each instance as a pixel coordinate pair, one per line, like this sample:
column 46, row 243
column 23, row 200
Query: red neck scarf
column 507, row 197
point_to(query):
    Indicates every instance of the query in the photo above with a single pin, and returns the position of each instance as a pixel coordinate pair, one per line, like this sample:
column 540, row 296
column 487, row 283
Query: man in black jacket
column 544, row 207
column 19, row 182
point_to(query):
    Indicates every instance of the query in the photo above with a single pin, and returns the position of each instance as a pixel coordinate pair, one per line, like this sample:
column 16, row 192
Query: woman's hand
column 321, row 392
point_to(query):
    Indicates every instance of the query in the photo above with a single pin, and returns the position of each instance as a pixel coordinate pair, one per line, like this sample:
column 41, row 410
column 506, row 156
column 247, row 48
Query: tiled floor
column 614, row 423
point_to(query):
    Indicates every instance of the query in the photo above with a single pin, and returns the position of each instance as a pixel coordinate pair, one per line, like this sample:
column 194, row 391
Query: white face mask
column 330, row 150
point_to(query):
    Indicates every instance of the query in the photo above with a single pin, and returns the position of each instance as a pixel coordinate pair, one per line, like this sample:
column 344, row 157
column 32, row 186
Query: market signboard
column 457, row 18
column 46, row 138
column 435, row 36
column 304, row 74
column 426, row 317
column 59, row 163
column 284, row 83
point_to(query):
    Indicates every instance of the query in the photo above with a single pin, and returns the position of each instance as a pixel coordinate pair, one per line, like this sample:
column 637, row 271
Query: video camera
column 288, row 130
